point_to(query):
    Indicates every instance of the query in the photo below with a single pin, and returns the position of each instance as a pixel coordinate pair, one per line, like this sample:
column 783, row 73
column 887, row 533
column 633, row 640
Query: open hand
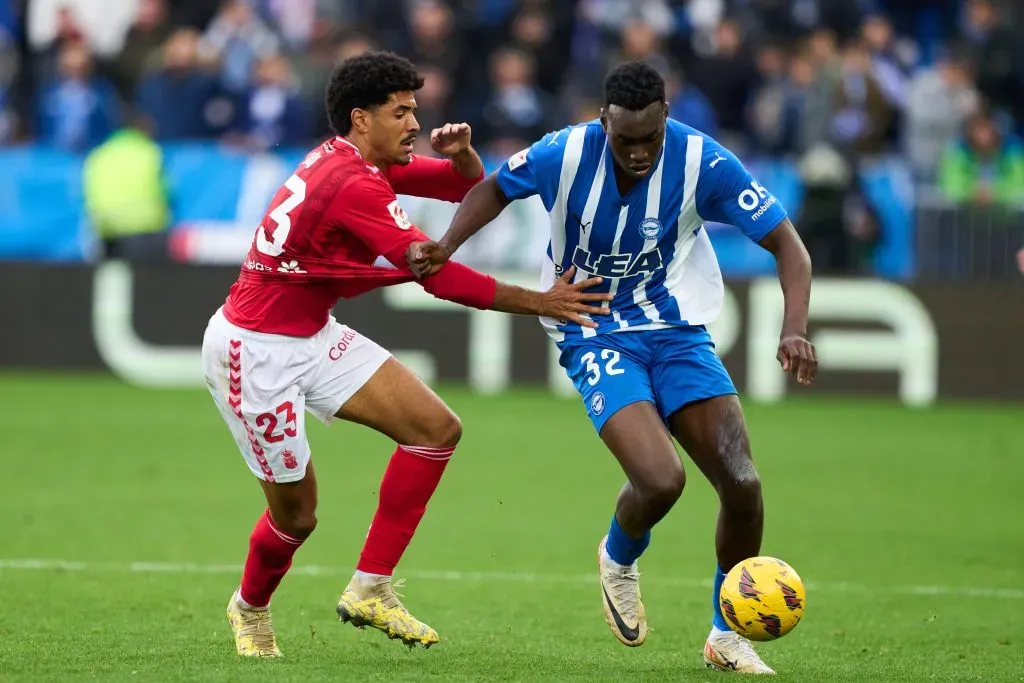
column 451, row 138
column 798, row 357
column 568, row 301
column 426, row 258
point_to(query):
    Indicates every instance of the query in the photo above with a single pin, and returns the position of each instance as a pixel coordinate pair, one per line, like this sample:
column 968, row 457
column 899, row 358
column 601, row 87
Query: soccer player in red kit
column 273, row 351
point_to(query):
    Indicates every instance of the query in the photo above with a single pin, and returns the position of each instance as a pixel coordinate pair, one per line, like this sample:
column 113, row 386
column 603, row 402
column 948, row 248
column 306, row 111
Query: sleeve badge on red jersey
column 399, row 215
column 517, row 159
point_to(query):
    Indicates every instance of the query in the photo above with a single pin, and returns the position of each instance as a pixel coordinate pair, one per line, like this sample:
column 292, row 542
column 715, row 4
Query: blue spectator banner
column 218, row 196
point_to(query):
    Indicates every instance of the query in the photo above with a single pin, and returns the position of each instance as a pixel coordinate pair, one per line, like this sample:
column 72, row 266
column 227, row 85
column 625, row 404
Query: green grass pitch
column 908, row 527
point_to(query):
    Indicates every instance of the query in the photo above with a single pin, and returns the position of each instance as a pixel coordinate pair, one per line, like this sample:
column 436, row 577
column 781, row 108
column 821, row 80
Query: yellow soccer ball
column 763, row 598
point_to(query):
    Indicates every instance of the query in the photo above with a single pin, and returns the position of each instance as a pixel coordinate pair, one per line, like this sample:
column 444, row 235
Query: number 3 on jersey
column 282, row 218
column 611, row 358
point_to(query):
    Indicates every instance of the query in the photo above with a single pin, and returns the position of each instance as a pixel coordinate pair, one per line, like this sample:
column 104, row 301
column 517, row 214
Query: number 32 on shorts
column 610, row 358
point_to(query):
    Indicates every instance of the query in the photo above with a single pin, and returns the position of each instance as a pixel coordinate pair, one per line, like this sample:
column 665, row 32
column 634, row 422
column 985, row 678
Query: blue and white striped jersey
column 649, row 246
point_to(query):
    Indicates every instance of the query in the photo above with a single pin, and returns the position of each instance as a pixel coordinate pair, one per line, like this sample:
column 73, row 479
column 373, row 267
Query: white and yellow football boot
column 620, row 597
column 254, row 632
column 729, row 651
column 375, row 603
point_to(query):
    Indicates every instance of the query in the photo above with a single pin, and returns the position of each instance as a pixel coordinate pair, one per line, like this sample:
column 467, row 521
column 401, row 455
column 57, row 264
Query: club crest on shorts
column 597, row 403
column 289, row 459
column 651, row 228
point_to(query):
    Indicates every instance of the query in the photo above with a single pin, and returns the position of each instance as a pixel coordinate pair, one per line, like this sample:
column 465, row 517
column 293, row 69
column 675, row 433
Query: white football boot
column 729, row 651
column 620, row 598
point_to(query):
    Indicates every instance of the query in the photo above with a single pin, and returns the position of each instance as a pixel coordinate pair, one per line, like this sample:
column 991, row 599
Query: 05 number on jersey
column 611, row 358
column 282, row 219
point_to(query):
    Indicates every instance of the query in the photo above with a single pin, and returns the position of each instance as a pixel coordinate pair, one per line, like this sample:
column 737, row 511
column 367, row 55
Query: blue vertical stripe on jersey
column 649, row 205
column 595, row 219
column 686, row 236
column 573, row 160
column 637, row 309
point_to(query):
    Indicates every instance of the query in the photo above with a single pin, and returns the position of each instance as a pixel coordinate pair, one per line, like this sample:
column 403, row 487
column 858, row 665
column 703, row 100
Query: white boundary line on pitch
column 506, row 577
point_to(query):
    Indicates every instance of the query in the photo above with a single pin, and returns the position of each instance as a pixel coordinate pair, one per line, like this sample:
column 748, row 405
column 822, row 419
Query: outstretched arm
column 370, row 212
column 480, row 206
column 793, row 263
column 564, row 301
column 531, row 171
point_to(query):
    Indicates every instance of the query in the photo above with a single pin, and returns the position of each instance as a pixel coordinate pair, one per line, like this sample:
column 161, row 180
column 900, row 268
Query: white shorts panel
column 263, row 384
column 349, row 362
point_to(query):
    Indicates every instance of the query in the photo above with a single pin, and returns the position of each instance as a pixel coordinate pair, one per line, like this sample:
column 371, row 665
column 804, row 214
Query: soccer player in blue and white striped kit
column 627, row 195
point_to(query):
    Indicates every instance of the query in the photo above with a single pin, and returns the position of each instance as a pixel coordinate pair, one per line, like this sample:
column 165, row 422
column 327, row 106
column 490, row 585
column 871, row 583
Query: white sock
column 715, row 631
column 246, row 606
column 608, row 558
column 368, row 579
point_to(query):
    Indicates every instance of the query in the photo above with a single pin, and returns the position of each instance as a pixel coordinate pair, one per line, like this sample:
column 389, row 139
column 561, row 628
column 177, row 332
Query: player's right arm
column 526, row 173
column 370, row 211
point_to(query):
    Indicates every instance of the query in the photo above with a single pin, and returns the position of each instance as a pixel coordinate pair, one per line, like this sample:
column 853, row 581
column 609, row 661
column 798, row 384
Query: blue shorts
column 669, row 367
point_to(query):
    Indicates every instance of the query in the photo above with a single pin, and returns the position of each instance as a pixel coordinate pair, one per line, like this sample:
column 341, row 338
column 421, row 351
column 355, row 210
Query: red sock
column 270, row 556
column 410, row 480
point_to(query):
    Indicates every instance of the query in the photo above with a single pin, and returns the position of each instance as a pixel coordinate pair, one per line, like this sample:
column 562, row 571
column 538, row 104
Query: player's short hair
column 633, row 86
column 366, row 81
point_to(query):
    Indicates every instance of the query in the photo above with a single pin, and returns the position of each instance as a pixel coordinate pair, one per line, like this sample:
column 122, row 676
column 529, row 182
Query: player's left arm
column 793, row 263
column 446, row 179
column 728, row 193
column 369, row 210
column 531, row 171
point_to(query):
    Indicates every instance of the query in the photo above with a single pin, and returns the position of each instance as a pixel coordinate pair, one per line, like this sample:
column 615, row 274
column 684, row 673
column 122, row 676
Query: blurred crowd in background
column 830, row 84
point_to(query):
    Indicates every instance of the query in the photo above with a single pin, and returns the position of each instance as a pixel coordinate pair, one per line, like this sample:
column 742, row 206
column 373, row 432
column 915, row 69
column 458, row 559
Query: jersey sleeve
column 369, row 210
column 727, row 193
column 432, row 178
column 535, row 170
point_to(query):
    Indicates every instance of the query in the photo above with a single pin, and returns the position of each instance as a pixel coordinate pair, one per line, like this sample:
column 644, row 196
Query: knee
column 451, row 430
column 662, row 490
column 297, row 523
column 303, row 524
column 444, row 431
column 741, row 492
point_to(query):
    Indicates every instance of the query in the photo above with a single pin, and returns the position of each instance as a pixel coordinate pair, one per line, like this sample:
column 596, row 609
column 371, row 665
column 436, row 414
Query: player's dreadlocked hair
column 366, row 81
column 633, row 86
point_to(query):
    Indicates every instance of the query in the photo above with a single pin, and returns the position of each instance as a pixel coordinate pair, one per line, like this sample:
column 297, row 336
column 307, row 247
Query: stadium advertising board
column 145, row 324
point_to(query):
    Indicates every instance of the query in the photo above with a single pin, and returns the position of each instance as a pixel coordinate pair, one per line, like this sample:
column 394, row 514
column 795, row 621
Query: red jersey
column 324, row 229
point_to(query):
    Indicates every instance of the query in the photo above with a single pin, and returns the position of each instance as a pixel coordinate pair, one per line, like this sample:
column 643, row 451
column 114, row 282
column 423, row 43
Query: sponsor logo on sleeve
column 518, row 159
